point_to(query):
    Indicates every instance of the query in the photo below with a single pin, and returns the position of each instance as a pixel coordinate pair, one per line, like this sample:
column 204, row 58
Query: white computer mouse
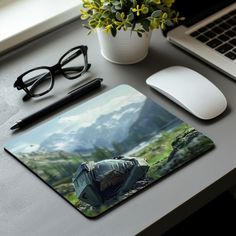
column 190, row 90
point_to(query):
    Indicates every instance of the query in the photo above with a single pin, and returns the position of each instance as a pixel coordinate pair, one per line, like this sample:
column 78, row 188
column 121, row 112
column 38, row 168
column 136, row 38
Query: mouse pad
column 108, row 149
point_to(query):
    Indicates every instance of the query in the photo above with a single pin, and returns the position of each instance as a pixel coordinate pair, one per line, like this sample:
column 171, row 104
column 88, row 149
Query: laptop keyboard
column 220, row 35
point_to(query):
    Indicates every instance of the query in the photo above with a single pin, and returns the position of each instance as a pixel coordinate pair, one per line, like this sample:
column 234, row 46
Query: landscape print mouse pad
column 108, row 149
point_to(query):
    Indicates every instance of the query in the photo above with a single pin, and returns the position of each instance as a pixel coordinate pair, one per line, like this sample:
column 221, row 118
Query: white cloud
column 60, row 145
column 25, row 148
column 89, row 116
column 118, row 116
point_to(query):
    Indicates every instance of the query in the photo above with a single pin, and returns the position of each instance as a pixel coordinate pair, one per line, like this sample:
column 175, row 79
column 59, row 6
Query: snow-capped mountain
column 102, row 133
column 126, row 127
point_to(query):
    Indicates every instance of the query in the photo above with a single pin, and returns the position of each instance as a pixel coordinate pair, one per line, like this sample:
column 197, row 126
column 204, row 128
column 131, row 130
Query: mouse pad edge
column 145, row 143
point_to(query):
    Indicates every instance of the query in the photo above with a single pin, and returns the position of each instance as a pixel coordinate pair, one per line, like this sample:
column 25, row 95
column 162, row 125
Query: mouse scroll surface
column 190, row 90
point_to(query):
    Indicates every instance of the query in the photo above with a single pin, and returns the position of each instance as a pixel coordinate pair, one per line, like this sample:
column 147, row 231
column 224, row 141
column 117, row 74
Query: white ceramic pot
column 125, row 47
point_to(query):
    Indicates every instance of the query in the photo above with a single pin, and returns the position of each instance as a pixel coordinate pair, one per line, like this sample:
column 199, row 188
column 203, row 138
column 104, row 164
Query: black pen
column 71, row 96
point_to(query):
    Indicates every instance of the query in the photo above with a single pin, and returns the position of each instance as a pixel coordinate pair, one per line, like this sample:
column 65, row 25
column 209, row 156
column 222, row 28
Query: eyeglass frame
column 19, row 84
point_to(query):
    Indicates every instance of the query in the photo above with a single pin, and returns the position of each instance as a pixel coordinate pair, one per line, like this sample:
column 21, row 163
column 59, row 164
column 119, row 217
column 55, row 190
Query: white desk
column 28, row 207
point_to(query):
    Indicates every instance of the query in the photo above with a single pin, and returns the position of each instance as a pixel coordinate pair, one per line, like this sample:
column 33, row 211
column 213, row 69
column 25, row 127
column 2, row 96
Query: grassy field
column 157, row 152
column 57, row 169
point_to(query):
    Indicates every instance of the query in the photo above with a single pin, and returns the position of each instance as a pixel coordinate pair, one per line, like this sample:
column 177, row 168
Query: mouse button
column 156, row 78
column 207, row 109
column 150, row 80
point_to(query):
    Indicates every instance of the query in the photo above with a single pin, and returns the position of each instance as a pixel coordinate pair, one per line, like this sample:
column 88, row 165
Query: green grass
column 72, row 198
column 58, row 170
column 157, row 152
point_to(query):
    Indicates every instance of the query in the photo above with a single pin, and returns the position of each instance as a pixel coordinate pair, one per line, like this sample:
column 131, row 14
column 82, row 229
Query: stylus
column 71, row 96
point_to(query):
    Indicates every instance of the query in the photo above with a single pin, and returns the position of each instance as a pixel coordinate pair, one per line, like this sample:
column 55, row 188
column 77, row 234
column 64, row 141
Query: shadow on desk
column 217, row 216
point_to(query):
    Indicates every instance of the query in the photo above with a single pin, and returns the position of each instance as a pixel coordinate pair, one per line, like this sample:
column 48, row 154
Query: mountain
column 102, row 133
column 152, row 119
column 119, row 130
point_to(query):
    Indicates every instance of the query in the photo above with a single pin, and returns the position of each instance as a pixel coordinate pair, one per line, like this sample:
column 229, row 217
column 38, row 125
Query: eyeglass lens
column 73, row 63
column 38, row 81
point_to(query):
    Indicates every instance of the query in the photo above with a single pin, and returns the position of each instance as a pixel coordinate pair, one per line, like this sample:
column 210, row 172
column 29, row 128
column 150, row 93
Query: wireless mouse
column 190, row 90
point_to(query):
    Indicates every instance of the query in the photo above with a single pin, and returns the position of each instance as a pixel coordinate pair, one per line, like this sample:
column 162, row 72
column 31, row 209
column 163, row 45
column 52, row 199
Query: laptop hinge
column 197, row 16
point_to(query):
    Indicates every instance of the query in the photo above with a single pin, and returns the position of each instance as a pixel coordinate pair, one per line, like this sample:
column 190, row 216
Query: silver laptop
column 208, row 32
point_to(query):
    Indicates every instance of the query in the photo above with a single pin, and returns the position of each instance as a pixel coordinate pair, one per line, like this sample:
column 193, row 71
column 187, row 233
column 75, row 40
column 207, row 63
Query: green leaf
column 118, row 7
column 116, row 3
column 139, row 34
column 97, row 3
column 162, row 25
column 113, row 9
column 134, row 3
column 168, row 23
column 100, row 24
column 165, row 15
column 127, row 24
column 93, row 23
column 113, row 32
column 86, row 27
column 141, row 30
column 97, row 15
column 130, row 17
column 84, row 17
column 118, row 16
column 156, row 13
column 105, row 14
column 128, row 14
column 145, row 10
column 133, row 26
column 145, row 25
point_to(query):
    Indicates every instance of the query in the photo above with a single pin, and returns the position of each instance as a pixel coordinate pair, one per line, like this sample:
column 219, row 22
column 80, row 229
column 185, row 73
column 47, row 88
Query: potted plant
column 124, row 27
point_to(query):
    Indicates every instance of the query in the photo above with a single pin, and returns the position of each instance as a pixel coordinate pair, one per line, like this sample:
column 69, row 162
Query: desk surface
column 29, row 207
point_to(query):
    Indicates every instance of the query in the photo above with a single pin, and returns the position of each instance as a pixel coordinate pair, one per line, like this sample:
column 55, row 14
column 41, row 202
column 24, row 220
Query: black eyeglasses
column 40, row 80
